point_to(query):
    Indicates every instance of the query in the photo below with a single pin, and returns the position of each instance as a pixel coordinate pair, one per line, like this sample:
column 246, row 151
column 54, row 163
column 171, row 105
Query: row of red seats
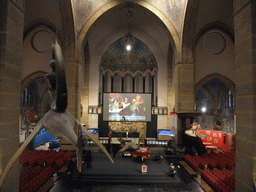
column 45, row 157
column 27, row 177
column 231, row 160
column 226, row 161
column 26, row 153
column 38, row 181
column 26, row 170
column 25, row 156
column 192, row 162
column 205, row 161
column 34, row 158
column 68, row 154
column 63, row 159
column 229, row 173
column 215, row 182
column 220, row 162
column 230, row 155
column 220, row 180
column 31, row 158
column 211, row 163
column 31, row 171
column 214, row 160
column 202, row 163
column 226, row 179
column 51, row 161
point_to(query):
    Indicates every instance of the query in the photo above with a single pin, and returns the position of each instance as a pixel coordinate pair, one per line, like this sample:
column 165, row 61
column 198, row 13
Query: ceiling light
column 128, row 47
column 203, row 109
column 128, row 40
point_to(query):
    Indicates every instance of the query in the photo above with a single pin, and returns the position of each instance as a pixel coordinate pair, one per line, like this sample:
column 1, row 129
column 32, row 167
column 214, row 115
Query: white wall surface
column 207, row 63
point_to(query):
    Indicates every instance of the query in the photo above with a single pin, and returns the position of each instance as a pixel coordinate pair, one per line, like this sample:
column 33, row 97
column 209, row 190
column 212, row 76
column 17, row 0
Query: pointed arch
column 228, row 82
column 81, row 36
column 26, row 81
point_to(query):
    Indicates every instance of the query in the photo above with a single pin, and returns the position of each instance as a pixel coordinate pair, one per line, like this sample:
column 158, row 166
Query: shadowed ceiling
column 117, row 58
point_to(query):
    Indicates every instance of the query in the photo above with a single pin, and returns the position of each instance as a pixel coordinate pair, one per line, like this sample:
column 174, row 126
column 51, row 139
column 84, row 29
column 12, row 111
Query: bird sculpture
column 58, row 121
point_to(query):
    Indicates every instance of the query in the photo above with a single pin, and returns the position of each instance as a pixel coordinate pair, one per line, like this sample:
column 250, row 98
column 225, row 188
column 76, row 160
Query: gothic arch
column 229, row 83
column 81, row 38
column 26, row 81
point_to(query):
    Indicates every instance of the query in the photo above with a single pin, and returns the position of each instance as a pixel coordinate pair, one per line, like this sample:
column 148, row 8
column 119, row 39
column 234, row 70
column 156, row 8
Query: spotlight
column 128, row 47
column 203, row 109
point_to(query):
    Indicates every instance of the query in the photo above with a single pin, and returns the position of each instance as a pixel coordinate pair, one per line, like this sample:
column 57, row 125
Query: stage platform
column 126, row 175
column 127, row 170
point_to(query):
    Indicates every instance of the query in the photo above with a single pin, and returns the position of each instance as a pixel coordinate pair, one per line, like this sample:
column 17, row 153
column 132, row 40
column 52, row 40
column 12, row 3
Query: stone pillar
column 170, row 96
column 154, row 91
column 138, row 83
column 245, row 64
column 11, row 35
column 100, row 88
column 117, row 83
column 184, row 87
column 128, row 84
column 108, row 80
column 148, row 83
column 73, row 71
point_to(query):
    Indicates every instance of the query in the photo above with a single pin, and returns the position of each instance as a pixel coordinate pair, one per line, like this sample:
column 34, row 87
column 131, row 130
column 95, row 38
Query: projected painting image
column 127, row 107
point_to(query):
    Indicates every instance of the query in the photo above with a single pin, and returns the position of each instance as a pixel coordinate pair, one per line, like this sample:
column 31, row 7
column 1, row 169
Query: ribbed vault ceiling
column 117, row 58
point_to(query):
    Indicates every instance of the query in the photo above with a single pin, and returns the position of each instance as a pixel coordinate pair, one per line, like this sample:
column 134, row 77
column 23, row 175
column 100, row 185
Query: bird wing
column 16, row 156
column 97, row 142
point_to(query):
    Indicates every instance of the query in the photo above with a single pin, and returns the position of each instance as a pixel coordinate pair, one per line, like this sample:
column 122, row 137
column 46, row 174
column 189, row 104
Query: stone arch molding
column 82, row 35
column 30, row 78
column 124, row 73
column 229, row 83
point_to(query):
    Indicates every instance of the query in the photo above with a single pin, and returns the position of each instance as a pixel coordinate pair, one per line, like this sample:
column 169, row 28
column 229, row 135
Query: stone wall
column 11, row 35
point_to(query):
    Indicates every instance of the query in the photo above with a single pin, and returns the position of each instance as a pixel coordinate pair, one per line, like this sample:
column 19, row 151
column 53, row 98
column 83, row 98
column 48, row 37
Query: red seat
column 207, row 143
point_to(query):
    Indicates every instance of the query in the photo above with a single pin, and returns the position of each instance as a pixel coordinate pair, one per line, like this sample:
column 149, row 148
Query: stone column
column 148, row 83
column 154, row 91
column 73, row 71
column 11, row 35
column 184, row 87
column 170, row 95
column 117, row 83
column 245, row 64
column 128, row 84
column 139, row 83
column 108, row 80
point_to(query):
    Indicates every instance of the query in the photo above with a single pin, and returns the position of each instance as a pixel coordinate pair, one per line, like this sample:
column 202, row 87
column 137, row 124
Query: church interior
column 149, row 73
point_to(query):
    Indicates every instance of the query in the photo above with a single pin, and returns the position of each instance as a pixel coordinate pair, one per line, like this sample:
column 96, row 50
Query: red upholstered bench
column 211, row 147
column 207, row 143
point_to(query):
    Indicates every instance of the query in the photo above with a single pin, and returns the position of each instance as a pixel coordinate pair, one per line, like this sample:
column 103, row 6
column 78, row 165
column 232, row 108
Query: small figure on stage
column 88, row 158
column 131, row 146
column 70, row 168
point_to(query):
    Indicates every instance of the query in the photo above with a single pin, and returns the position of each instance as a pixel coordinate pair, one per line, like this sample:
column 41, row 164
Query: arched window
column 218, row 103
column 28, row 97
column 228, row 100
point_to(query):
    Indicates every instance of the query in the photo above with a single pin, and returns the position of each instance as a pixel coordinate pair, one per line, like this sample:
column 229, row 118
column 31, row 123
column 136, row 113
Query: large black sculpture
column 58, row 121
